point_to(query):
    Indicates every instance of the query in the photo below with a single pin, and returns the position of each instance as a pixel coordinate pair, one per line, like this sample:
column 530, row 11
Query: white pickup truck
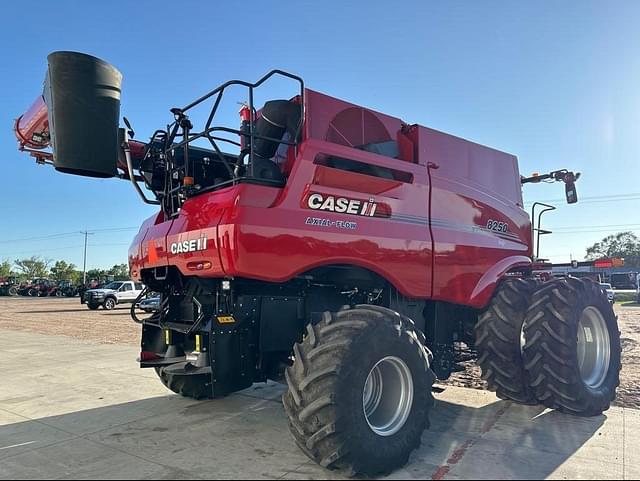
column 109, row 296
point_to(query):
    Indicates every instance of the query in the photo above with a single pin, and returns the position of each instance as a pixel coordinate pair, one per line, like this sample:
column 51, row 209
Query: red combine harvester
column 338, row 249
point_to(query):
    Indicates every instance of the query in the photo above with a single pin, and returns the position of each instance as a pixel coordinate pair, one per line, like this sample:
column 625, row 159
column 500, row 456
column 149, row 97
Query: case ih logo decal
column 194, row 245
column 342, row 205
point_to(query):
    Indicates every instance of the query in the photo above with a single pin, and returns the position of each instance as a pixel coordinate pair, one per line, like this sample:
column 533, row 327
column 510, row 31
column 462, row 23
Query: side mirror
column 571, row 192
column 569, row 179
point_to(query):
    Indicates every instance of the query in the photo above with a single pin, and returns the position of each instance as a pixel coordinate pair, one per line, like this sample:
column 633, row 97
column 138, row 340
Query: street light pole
column 84, row 263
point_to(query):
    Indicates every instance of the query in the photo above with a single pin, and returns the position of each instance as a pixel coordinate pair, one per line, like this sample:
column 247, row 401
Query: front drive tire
column 93, row 307
column 195, row 387
column 573, row 349
column 360, row 390
column 499, row 341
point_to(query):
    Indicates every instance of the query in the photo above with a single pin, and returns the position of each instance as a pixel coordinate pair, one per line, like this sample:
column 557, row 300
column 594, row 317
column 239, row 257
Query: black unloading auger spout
column 82, row 94
column 77, row 115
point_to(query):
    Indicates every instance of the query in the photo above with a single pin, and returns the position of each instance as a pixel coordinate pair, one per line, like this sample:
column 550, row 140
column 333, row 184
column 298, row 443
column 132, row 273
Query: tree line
column 624, row 245
column 38, row 267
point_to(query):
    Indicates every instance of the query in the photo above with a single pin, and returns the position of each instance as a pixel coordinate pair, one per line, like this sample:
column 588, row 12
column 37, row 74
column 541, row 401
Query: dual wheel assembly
column 555, row 344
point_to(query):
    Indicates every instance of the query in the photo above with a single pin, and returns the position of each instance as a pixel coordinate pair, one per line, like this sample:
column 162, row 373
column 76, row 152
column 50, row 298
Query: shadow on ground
column 503, row 441
column 246, row 435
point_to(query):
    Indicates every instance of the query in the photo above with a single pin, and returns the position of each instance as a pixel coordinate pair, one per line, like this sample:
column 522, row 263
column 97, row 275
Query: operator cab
column 175, row 168
column 264, row 155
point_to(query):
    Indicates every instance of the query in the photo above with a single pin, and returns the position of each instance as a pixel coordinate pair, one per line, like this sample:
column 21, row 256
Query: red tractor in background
column 39, row 287
column 61, row 288
column 337, row 249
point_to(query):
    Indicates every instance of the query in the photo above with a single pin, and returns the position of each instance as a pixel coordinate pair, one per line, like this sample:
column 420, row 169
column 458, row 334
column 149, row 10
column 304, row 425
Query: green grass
column 628, row 304
column 625, row 297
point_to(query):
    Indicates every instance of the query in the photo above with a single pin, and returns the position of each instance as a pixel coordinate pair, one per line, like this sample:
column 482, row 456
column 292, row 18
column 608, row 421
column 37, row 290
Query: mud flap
column 233, row 360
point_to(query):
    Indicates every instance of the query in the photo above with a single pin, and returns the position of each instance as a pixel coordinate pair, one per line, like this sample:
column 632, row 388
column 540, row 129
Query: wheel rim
column 594, row 347
column 109, row 304
column 387, row 397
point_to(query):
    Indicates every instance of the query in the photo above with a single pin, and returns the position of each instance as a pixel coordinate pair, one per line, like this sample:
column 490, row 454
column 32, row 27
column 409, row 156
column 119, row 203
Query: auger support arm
column 569, row 178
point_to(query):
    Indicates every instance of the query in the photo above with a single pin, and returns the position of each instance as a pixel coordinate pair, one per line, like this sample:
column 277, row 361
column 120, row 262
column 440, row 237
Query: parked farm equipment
column 36, row 288
column 65, row 288
column 9, row 286
column 68, row 288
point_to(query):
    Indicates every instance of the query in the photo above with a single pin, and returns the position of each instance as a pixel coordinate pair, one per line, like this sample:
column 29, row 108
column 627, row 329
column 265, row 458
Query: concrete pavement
column 77, row 409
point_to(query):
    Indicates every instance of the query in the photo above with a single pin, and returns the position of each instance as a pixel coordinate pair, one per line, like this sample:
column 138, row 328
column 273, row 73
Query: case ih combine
column 339, row 249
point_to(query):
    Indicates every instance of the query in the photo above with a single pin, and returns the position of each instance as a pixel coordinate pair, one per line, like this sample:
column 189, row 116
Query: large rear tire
column 573, row 349
column 360, row 390
column 196, row 387
column 499, row 341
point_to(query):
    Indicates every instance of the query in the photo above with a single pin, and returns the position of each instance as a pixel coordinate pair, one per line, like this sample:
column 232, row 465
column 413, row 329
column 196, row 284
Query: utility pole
column 84, row 263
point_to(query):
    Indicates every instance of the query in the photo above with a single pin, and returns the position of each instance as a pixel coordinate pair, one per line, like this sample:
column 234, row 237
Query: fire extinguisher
column 245, row 127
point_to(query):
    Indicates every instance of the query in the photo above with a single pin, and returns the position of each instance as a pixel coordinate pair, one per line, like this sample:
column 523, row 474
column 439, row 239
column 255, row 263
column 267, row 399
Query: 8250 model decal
column 496, row 226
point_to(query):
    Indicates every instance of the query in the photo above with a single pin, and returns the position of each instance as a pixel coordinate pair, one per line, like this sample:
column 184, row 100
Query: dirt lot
column 69, row 318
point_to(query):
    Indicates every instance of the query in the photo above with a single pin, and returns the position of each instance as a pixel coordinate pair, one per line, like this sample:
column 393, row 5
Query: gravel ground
column 69, row 318
column 629, row 321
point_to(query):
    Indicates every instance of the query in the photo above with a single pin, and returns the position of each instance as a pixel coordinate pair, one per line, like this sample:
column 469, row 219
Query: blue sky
column 556, row 83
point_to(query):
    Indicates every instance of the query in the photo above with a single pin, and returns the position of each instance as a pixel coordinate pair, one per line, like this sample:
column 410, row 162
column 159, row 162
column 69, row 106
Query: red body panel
column 449, row 230
column 471, row 186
